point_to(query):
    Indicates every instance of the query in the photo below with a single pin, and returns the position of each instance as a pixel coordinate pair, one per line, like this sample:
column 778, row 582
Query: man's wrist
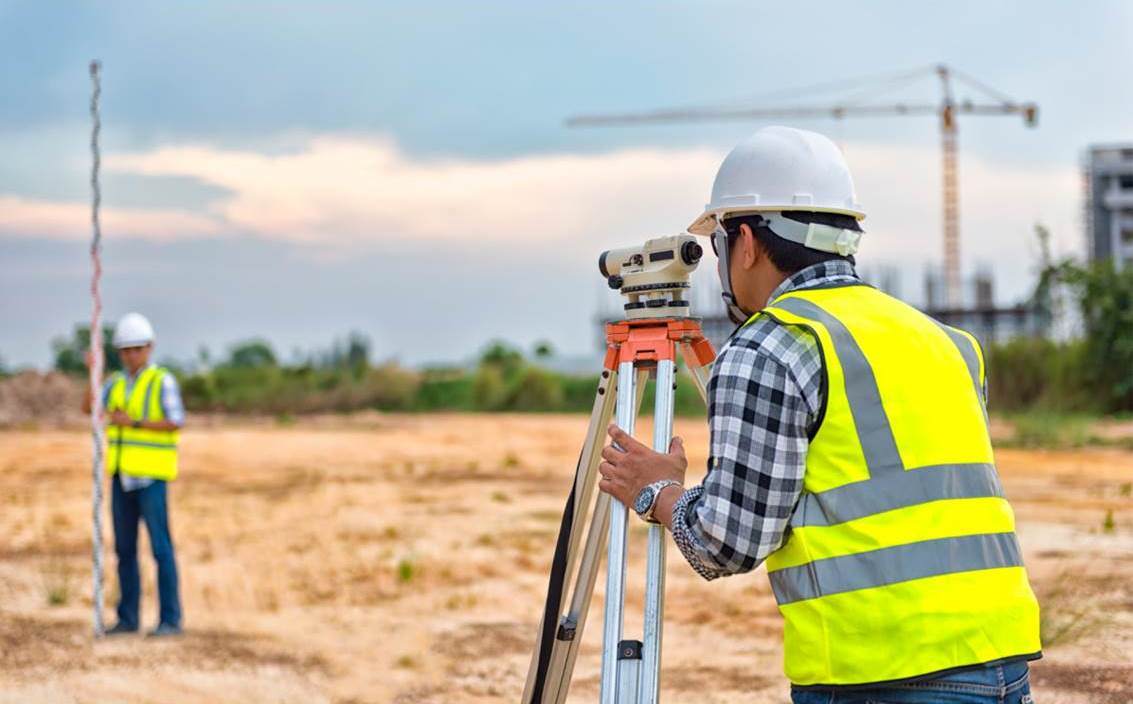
column 666, row 500
column 657, row 488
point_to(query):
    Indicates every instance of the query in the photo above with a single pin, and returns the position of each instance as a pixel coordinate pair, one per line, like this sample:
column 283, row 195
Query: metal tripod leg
column 616, row 554
column 630, row 668
column 655, row 565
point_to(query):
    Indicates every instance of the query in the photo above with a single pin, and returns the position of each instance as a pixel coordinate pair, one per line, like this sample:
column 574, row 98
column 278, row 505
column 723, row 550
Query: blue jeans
column 994, row 684
column 147, row 504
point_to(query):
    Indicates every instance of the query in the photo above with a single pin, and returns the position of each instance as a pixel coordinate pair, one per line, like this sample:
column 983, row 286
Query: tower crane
column 852, row 106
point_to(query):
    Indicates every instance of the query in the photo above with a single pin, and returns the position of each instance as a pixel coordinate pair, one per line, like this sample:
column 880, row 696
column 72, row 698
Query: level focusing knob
column 615, row 282
column 691, row 252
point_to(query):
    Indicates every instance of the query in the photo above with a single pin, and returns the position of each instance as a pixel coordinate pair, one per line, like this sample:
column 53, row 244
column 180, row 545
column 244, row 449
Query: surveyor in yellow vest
column 849, row 450
column 144, row 416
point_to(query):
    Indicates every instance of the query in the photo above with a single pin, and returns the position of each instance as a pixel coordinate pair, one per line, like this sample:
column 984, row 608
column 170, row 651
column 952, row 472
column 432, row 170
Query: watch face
column 644, row 500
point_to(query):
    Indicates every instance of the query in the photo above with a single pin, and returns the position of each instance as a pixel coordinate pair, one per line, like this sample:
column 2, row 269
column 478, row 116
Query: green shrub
column 1104, row 296
column 390, row 387
column 578, row 392
column 406, row 569
column 199, row 392
column 686, row 402
column 1044, row 429
column 302, row 389
column 439, row 391
column 503, row 356
column 1030, row 373
column 70, row 351
column 489, row 390
column 251, row 354
column 536, row 390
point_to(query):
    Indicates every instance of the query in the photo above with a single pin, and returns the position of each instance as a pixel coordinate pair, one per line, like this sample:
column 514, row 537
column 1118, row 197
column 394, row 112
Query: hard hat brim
column 123, row 344
column 705, row 225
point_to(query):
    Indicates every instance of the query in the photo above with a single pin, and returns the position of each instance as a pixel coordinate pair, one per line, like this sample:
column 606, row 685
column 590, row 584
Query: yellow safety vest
column 136, row 451
column 901, row 559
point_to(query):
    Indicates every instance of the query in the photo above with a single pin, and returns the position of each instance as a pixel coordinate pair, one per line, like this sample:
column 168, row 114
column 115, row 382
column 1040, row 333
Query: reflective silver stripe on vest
column 968, row 352
column 144, row 443
column 900, row 563
column 893, row 491
column 149, row 394
column 874, row 433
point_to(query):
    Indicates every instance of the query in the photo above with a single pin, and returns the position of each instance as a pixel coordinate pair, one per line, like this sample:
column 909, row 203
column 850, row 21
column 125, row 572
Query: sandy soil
column 402, row 559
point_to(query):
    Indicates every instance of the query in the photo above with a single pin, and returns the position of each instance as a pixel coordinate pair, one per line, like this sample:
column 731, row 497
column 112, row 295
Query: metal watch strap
column 657, row 487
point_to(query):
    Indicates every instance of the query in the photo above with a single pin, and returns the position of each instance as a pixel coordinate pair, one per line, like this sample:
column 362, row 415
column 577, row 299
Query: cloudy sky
column 299, row 170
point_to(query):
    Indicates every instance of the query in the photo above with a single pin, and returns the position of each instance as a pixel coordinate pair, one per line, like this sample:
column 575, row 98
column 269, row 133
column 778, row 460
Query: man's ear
column 750, row 250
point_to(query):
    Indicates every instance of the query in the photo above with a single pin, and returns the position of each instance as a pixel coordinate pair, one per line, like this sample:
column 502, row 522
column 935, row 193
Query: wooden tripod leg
column 579, row 605
column 546, row 670
column 697, row 356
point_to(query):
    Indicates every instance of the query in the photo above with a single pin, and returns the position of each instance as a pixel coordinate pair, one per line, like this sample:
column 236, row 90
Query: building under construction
column 1108, row 177
column 978, row 313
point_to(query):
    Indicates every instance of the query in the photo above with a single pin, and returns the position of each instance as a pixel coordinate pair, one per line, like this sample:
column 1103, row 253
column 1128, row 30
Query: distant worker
column 144, row 414
column 849, row 448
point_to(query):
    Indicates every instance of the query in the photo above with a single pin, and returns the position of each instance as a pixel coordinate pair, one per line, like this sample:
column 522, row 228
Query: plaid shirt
column 763, row 404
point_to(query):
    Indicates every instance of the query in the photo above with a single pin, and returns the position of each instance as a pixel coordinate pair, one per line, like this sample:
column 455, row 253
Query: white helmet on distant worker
column 782, row 169
column 133, row 330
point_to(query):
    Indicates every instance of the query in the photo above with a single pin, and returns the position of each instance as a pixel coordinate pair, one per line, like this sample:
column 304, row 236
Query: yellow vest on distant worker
column 136, row 451
column 901, row 558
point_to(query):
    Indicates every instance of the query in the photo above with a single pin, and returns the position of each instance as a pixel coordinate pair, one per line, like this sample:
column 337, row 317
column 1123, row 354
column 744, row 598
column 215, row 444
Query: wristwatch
column 646, row 500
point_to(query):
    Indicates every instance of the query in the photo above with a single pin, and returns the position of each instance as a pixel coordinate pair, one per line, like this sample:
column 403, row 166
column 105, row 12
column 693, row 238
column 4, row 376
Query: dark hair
column 787, row 256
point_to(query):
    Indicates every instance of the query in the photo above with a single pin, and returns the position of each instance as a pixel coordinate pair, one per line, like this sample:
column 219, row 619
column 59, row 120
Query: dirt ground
column 402, row 559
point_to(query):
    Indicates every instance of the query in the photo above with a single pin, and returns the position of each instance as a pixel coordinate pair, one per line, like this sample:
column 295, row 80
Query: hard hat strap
column 724, row 271
column 814, row 235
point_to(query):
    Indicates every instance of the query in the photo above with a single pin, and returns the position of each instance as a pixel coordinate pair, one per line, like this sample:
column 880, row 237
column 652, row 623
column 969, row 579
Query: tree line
column 252, row 379
column 1090, row 373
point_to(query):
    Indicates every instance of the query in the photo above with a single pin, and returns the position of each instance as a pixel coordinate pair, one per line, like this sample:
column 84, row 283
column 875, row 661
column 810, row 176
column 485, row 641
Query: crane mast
column 950, row 198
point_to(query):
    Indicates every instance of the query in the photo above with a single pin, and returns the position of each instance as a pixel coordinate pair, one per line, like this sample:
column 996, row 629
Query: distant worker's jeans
column 147, row 504
column 995, row 684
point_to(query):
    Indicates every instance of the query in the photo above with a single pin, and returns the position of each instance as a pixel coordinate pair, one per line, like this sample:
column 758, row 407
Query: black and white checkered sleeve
column 763, row 398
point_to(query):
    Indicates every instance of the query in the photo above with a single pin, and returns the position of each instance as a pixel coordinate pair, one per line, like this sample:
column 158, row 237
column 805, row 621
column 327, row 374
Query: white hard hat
column 133, row 330
column 777, row 169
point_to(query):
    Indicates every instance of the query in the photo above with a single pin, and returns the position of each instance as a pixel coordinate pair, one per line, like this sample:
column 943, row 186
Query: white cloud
column 344, row 190
column 340, row 191
column 67, row 220
column 999, row 204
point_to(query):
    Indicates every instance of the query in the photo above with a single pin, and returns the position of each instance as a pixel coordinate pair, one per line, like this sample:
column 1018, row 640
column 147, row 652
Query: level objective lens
column 691, row 252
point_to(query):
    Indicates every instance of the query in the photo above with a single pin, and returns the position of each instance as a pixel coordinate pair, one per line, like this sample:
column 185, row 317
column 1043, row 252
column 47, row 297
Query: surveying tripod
column 635, row 347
